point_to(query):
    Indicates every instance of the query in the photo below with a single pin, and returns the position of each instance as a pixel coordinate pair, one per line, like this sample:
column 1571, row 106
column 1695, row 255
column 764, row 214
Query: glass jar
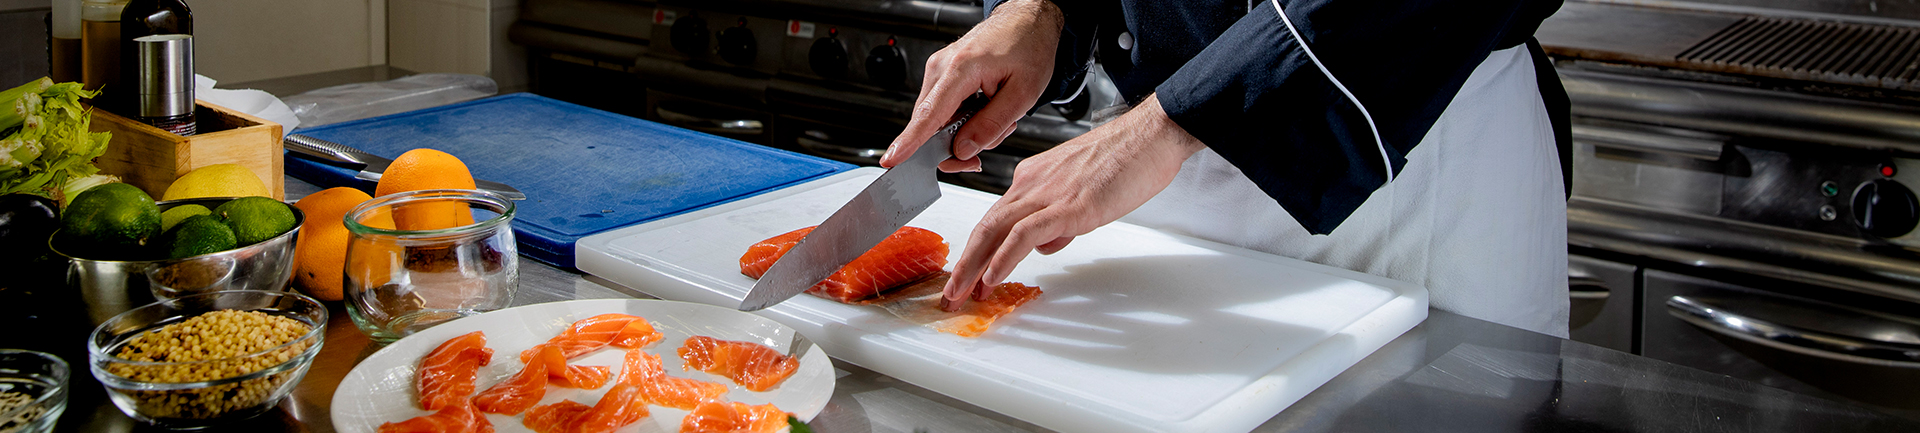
column 404, row 275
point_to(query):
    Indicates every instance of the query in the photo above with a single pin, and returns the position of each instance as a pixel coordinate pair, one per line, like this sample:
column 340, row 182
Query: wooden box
column 151, row 158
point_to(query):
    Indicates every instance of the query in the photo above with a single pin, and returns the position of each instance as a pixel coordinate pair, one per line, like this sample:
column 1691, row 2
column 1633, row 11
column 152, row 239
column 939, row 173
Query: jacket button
column 1126, row 41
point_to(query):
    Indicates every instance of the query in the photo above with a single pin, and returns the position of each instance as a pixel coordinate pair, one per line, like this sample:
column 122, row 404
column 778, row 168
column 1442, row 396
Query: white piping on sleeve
column 1382, row 144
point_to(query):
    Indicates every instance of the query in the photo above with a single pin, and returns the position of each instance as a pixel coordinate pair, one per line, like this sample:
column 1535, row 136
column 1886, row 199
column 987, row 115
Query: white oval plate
column 381, row 389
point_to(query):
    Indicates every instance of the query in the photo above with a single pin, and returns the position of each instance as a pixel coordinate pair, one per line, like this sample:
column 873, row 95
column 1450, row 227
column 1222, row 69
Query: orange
column 322, row 250
column 420, row 169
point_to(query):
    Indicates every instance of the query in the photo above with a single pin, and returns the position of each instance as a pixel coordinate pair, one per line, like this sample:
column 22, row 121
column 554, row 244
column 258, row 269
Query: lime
column 256, row 219
column 199, row 234
column 111, row 221
column 218, row 180
column 173, row 216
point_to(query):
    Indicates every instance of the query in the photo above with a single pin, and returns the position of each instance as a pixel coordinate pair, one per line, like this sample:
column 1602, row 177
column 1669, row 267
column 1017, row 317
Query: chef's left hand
column 1068, row 191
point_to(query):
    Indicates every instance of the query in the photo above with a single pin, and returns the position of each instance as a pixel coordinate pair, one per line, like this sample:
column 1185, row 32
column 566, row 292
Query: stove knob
column 828, row 58
column 736, row 44
column 1884, row 208
column 887, row 66
column 690, row 36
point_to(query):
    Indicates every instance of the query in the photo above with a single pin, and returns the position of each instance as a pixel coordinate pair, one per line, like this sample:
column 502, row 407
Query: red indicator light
column 889, row 42
column 1886, row 170
column 833, row 31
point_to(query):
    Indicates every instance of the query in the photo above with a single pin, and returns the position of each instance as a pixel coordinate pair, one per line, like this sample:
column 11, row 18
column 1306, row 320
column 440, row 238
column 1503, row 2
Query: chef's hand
column 1068, row 191
column 1009, row 57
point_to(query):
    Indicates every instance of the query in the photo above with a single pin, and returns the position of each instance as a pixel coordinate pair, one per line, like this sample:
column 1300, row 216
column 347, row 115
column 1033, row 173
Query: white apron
column 1477, row 215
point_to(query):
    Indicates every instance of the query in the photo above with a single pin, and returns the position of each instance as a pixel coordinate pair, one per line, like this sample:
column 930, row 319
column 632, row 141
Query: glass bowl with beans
column 199, row 360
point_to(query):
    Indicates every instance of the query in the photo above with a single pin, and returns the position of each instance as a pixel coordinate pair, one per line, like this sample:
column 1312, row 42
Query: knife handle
column 323, row 149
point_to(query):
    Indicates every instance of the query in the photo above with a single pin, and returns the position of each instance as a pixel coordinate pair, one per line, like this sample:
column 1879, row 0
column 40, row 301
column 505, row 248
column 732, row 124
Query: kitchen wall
column 23, row 41
column 247, row 40
column 461, row 36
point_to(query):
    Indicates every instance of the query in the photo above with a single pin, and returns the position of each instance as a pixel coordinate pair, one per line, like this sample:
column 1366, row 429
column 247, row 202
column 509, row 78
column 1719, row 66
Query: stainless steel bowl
column 111, row 287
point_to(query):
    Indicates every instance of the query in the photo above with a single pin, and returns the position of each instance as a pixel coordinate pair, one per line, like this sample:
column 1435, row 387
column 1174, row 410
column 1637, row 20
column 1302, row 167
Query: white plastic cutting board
column 1137, row 331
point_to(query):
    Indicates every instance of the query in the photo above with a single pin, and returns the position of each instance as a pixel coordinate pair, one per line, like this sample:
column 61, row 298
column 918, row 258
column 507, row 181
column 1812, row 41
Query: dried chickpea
column 213, row 346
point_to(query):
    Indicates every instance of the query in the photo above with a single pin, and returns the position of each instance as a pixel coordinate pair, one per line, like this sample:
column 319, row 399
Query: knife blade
column 373, row 165
column 882, row 208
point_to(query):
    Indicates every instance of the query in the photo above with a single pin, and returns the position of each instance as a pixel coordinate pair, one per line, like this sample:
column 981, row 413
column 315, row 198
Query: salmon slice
column 643, row 370
column 636, row 335
column 593, row 333
column 733, row 417
column 920, row 303
column 911, row 253
column 447, row 373
column 459, row 416
column 756, row 367
column 517, row 393
column 559, row 373
column 559, row 417
column 618, row 408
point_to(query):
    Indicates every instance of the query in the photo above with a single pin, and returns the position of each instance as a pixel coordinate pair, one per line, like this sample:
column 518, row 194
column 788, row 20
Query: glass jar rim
column 60, row 373
column 504, row 212
column 315, row 331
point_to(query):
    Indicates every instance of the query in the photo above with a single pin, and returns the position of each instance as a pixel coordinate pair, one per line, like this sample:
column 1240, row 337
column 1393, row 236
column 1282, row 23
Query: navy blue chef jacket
column 1232, row 74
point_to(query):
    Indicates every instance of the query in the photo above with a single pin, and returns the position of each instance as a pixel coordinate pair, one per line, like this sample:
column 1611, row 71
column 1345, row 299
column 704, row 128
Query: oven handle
column 1580, row 287
column 1695, row 148
column 711, row 126
column 859, row 153
column 1791, row 339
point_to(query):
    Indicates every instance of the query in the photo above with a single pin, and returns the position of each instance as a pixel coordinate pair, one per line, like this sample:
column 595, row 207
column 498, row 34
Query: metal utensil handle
column 799, row 345
column 323, row 149
column 1791, row 339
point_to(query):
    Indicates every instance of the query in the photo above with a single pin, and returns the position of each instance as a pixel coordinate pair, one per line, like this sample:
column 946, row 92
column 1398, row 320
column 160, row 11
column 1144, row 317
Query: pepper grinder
column 164, row 89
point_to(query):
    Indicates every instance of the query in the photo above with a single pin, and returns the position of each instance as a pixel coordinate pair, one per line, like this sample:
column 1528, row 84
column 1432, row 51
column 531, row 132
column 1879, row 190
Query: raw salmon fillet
column 447, row 373
column 517, row 393
column 555, row 418
column 756, row 367
column 460, row 416
column 559, row 417
column 620, row 407
column 564, row 375
column 909, row 254
column 920, row 303
column 733, row 417
column 593, row 333
column 643, row 370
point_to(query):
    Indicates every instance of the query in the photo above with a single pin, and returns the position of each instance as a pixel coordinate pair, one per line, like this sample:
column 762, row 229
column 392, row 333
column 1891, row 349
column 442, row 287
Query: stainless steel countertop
column 1450, row 373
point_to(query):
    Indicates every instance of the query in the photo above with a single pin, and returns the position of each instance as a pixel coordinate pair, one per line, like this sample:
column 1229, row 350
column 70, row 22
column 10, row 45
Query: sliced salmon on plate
column 592, row 333
column 756, row 367
column 559, row 417
column 457, row 417
column 643, row 370
column 517, row 393
column 909, row 254
column 733, row 417
column 447, row 373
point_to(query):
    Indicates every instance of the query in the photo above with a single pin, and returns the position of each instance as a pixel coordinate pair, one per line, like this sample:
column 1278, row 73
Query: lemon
column 111, row 221
column 199, row 234
column 218, row 180
column 173, row 216
column 256, row 219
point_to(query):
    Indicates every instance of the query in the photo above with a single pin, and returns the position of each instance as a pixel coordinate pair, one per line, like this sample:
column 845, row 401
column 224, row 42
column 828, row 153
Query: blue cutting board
column 584, row 170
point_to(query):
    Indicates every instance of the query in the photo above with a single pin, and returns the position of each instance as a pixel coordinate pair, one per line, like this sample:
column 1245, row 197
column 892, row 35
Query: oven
column 830, row 78
column 1742, row 193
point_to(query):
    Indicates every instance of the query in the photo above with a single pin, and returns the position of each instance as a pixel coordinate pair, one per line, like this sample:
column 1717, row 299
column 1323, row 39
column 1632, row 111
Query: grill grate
column 1843, row 53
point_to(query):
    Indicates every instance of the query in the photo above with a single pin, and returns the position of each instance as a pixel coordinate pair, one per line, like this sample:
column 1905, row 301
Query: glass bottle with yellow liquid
column 100, row 43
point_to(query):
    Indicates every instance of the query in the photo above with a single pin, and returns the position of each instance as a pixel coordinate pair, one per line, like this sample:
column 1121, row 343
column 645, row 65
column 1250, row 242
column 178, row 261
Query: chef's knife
column 374, row 165
column 895, row 198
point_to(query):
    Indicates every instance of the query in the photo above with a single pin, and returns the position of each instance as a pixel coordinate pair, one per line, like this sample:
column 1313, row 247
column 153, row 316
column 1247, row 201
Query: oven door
column 1602, row 302
column 709, row 117
column 1869, row 356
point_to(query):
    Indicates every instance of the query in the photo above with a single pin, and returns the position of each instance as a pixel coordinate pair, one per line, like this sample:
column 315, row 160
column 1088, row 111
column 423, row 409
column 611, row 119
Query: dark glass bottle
column 143, row 18
column 154, row 17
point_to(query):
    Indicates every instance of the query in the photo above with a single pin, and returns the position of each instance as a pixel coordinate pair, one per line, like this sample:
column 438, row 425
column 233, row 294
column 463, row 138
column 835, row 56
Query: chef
column 1424, row 141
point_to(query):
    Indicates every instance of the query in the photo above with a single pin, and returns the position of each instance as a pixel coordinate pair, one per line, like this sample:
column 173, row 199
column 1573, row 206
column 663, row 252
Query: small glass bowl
column 234, row 388
column 34, row 385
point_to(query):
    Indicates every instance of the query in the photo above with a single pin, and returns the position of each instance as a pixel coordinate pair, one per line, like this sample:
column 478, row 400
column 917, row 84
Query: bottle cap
column 165, row 84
